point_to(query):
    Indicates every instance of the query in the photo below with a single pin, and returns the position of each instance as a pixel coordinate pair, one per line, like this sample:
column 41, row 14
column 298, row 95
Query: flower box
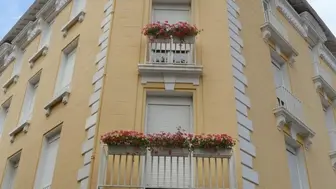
column 212, row 152
column 126, row 150
column 165, row 151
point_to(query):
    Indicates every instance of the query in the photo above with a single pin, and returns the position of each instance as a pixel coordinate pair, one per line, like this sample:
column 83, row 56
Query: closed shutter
column 77, row 7
column 13, row 176
column 166, row 114
column 46, row 34
column 302, row 169
column 10, row 175
column 171, row 13
column 48, row 161
column 65, row 73
column 293, row 168
column 18, row 63
column 277, row 75
column 2, row 120
column 330, row 123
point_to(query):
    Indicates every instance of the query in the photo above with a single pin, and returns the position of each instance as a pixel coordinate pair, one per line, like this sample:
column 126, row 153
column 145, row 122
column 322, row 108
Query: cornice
column 51, row 9
column 309, row 21
column 291, row 15
column 327, row 56
column 29, row 32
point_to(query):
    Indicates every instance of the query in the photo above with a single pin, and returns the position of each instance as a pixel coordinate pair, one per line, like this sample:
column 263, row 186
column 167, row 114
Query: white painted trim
column 243, row 104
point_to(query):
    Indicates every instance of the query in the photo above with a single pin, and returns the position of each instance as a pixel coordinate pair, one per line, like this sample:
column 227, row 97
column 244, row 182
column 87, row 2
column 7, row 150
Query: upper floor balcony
column 289, row 111
column 273, row 30
column 324, row 83
column 184, row 170
column 171, row 60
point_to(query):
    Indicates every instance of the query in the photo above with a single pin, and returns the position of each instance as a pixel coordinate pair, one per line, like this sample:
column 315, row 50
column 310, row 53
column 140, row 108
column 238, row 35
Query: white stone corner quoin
column 245, row 127
column 95, row 99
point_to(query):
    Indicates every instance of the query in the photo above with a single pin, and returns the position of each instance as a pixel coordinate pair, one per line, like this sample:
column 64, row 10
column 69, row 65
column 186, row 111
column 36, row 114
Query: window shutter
column 46, row 34
column 277, row 75
column 68, row 69
column 28, row 104
column 48, row 161
column 166, row 114
column 2, row 119
column 302, row 169
column 10, row 175
column 77, row 6
column 18, row 63
column 293, row 168
column 172, row 14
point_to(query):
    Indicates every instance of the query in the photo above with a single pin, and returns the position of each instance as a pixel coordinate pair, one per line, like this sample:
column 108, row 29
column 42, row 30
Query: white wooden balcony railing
column 286, row 100
column 171, row 51
column 147, row 171
column 277, row 24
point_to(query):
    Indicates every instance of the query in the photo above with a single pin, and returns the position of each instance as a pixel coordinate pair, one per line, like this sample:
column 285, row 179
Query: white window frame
column 11, row 165
column 71, row 48
column 4, row 110
column 18, row 62
column 285, row 80
column 50, row 137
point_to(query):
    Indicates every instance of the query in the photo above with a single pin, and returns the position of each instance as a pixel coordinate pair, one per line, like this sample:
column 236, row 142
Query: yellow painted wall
column 124, row 97
column 331, row 72
column 73, row 115
column 271, row 160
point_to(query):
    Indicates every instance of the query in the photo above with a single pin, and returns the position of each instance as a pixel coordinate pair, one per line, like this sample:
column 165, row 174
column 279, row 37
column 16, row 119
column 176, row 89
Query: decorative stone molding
column 297, row 126
column 79, row 18
column 170, row 74
column 327, row 56
column 41, row 52
column 28, row 33
column 23, row 127
column 313, row 29
column 291, row 15
column 270, row 33
column 10, row 82
column 95, row 99
column 250, row 177
column 62, row 97
column 51, row 9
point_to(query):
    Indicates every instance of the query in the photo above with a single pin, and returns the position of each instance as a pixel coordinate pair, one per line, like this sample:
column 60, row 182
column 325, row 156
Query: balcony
column 323, row 83
column 289, row 111
column 170, row 61
column 273, row 30
column 178, row 172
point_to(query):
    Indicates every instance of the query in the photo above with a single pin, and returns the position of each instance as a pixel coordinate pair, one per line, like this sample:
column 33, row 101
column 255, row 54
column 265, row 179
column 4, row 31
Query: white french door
column 167, row 114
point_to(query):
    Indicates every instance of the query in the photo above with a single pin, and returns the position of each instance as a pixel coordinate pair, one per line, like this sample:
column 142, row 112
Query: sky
column 11, row 10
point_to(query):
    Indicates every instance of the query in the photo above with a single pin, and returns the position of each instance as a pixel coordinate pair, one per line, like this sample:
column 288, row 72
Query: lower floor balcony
column 175, row 169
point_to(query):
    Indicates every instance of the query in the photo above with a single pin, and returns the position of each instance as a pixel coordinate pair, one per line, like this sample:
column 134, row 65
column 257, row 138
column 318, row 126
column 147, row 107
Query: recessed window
column 29, row 100
column 3, row 113
column 47, row 160
column 167, row 114
column 11, row 171
column 66, row 68
column 18, row 62
column 77, row 7
column 46, row 34
column 171, row 12
column 297, row 167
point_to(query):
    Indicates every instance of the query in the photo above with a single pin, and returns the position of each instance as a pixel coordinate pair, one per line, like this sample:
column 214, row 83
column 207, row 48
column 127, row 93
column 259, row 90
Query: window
column 167, row 114
column 47, row 160
column 267, row 9
column 18, row 62
column 171, row 12
column 11, row 171
column 280, row 75
column 331, row 126
column 46, row 34
column 66, row 69
column 297, row 168
column 77, row 7
column 3, row 113
column 29, row 100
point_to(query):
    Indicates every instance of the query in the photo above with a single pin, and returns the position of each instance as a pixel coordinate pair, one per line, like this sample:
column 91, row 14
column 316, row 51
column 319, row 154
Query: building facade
column 262, row 71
